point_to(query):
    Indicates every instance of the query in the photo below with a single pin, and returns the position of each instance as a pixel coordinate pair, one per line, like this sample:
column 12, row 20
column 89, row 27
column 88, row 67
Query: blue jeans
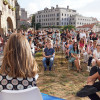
column 50, row 64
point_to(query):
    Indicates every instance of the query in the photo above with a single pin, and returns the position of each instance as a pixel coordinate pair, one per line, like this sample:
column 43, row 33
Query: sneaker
column 88, row 69
column 49, row 68
column 86, row 91
column 67, row 57
column 45, row 69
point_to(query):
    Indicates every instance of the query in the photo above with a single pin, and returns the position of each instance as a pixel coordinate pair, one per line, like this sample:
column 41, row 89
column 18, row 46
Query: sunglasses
column 98, row 45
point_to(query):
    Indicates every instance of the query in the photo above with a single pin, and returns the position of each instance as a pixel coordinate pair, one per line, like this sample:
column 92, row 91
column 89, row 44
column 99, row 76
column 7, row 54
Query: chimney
column 67, row 7
column 56, row 6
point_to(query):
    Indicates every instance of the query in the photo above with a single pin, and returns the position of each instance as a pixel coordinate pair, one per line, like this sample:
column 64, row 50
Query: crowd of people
column 74, row 44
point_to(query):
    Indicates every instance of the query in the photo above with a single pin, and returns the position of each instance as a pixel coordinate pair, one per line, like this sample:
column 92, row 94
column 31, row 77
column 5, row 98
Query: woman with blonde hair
column 18, row 68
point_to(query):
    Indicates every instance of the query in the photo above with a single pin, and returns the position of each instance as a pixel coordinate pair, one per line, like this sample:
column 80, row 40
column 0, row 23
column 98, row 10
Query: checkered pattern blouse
column 9, row 83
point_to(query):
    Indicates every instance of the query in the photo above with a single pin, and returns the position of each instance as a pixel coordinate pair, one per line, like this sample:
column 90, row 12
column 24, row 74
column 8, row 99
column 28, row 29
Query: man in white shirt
column 82, row 34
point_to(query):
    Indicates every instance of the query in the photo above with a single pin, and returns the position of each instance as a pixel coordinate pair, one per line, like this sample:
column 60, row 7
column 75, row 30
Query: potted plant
column 13, row 9
column 5, row 2
column 9, row 6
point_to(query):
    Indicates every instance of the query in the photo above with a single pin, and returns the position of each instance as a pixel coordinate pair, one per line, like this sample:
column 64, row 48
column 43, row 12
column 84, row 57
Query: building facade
column 7, row 16
column 61, row 17
column 94, row 27
column 18, row 15
column 54, row 16
column 79, row 20
column 23, row 17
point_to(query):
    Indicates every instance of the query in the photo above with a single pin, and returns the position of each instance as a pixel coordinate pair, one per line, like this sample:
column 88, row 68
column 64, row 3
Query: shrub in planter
column 5, row 2
column 9, row 6
column 13, row 9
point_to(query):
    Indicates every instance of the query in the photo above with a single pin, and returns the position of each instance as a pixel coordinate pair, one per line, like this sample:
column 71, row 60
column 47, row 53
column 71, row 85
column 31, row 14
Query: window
column 57, row 14
column 57, row 18
column 57, row 23
column 62, row 14
column 39, row 16
column 65, row 14
column 62, row 23
column 39, row 20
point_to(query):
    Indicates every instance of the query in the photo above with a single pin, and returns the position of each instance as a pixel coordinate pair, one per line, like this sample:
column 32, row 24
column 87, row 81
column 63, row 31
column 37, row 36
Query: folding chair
column 27, row 94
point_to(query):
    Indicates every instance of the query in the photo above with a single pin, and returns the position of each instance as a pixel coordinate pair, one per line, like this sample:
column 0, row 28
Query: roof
column 87, row 26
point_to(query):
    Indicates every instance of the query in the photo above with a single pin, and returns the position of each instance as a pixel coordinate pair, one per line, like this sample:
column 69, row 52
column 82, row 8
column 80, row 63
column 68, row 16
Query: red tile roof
column 87, row 26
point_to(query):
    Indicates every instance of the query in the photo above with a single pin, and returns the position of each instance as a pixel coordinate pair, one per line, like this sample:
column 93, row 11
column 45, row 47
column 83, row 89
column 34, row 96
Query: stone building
column 60, row 17
column 7, row 16
column 18, row 14
column 94, row 27
column 23, row 17
column 54, row 16
column 79, row 20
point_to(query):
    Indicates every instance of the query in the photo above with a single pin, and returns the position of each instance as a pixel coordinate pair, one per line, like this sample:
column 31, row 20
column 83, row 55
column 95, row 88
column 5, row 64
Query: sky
column 88, row 8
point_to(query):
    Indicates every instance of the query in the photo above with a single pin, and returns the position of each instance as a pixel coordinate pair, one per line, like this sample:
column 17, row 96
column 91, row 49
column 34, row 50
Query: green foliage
column 69, row 27
column 33, row 21
column 23, row 27
column 38, row 25
column 53, row 27
column 5, row 2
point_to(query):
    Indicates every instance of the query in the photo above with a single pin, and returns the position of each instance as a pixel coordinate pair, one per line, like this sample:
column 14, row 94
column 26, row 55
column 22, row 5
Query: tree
column 33, row 21
column 69, row 27
column 24, row 27
column 38, row 25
